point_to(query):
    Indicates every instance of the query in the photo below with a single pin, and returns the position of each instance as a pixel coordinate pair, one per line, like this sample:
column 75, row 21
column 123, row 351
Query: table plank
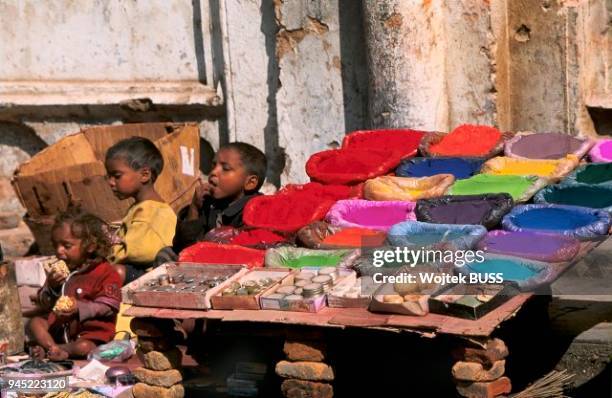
column 353, row 317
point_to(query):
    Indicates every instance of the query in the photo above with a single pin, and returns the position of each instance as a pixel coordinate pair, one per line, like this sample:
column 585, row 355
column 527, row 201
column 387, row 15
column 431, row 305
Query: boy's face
column 124, row 181
column 68, row 247
column 228, row 178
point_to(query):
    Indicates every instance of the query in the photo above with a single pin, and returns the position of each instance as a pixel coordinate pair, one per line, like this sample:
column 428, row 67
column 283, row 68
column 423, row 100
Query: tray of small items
column 470, row 301
column 181, row 285
column 243, row 293
column 352, row 294
column 406, row 292
column 305, row 290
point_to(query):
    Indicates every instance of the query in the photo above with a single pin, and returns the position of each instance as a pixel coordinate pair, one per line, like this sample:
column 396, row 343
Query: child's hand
column 202, row 190
column 55, row 279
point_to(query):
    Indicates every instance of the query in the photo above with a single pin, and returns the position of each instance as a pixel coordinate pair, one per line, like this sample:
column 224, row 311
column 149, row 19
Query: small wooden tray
column 306, row 305
column 133, row 293
column 503, row 293
column 418, row 307
column 251, row 302
column 363, row 301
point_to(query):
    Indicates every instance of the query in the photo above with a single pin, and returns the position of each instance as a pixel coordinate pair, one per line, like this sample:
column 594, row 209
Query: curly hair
column 87, row 227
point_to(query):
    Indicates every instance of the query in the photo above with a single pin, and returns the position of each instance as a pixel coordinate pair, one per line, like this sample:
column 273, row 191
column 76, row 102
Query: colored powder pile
column 349, row 166
column 509, row 166
column 488, row 183
column 213, row 253
column 313, row 261
column 464, row 212
column 426, row 238
column 400, row 142
column 377, row 215
column 597, row 197
column 425, row 167
column 606, row 149
column 530, row 245
column 356, row 237
column 332, row 192
column 285, row 212
column 595, row 173
column 512, row 270
column 546, row 146
column 553, row 219
column 351, row 162
column 467, row 140
column 257, row 236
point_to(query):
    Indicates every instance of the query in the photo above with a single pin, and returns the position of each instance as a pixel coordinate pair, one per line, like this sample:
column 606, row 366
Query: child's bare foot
column 38, row 352
column 57, row 354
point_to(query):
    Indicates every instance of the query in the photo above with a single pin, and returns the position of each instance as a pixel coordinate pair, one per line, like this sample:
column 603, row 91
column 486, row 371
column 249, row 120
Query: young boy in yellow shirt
column 132, row 166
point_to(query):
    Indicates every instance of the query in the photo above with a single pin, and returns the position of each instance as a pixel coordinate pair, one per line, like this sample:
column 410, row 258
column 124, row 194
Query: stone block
column 311, row 371
column 306, row 389
column 141, row 390
column 160, row 378
column 304, row 351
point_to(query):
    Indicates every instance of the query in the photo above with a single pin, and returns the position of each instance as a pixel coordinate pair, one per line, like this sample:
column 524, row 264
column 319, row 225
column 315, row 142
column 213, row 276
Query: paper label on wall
column 188, row 160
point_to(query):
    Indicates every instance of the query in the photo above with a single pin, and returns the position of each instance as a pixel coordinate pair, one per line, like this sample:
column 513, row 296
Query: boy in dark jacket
column 239, row 170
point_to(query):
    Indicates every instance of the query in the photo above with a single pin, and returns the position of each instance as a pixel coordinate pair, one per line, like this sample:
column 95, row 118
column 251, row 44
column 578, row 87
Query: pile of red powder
column 295, row 206
column 349, row 166
column 215, row 253
column 467, row 140
column 398, row 143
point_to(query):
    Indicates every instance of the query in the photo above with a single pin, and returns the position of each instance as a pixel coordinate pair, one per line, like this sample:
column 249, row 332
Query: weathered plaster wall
column 594, row 43
column 519, row 64
column 538, row 48
column 553, row 61
column 469, row 62
column 97, row 40
column 309, row 98
column 405, row 50
column 430, row 63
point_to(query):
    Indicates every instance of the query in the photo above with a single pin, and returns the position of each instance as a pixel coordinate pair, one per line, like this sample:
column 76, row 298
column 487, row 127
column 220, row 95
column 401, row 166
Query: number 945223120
column 33, row 385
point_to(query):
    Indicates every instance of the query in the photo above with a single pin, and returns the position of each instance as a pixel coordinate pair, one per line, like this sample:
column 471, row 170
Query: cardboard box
column 73, row 170
column 30, row 271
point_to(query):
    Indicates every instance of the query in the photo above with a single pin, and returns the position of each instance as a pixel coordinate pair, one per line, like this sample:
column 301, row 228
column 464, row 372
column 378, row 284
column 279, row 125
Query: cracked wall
column 321, row 89
column 553, row 65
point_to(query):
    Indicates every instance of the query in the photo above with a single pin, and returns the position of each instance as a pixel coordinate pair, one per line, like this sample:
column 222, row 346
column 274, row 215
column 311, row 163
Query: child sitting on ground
column 132, row 166
column 239, row 171
column 85, row 302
